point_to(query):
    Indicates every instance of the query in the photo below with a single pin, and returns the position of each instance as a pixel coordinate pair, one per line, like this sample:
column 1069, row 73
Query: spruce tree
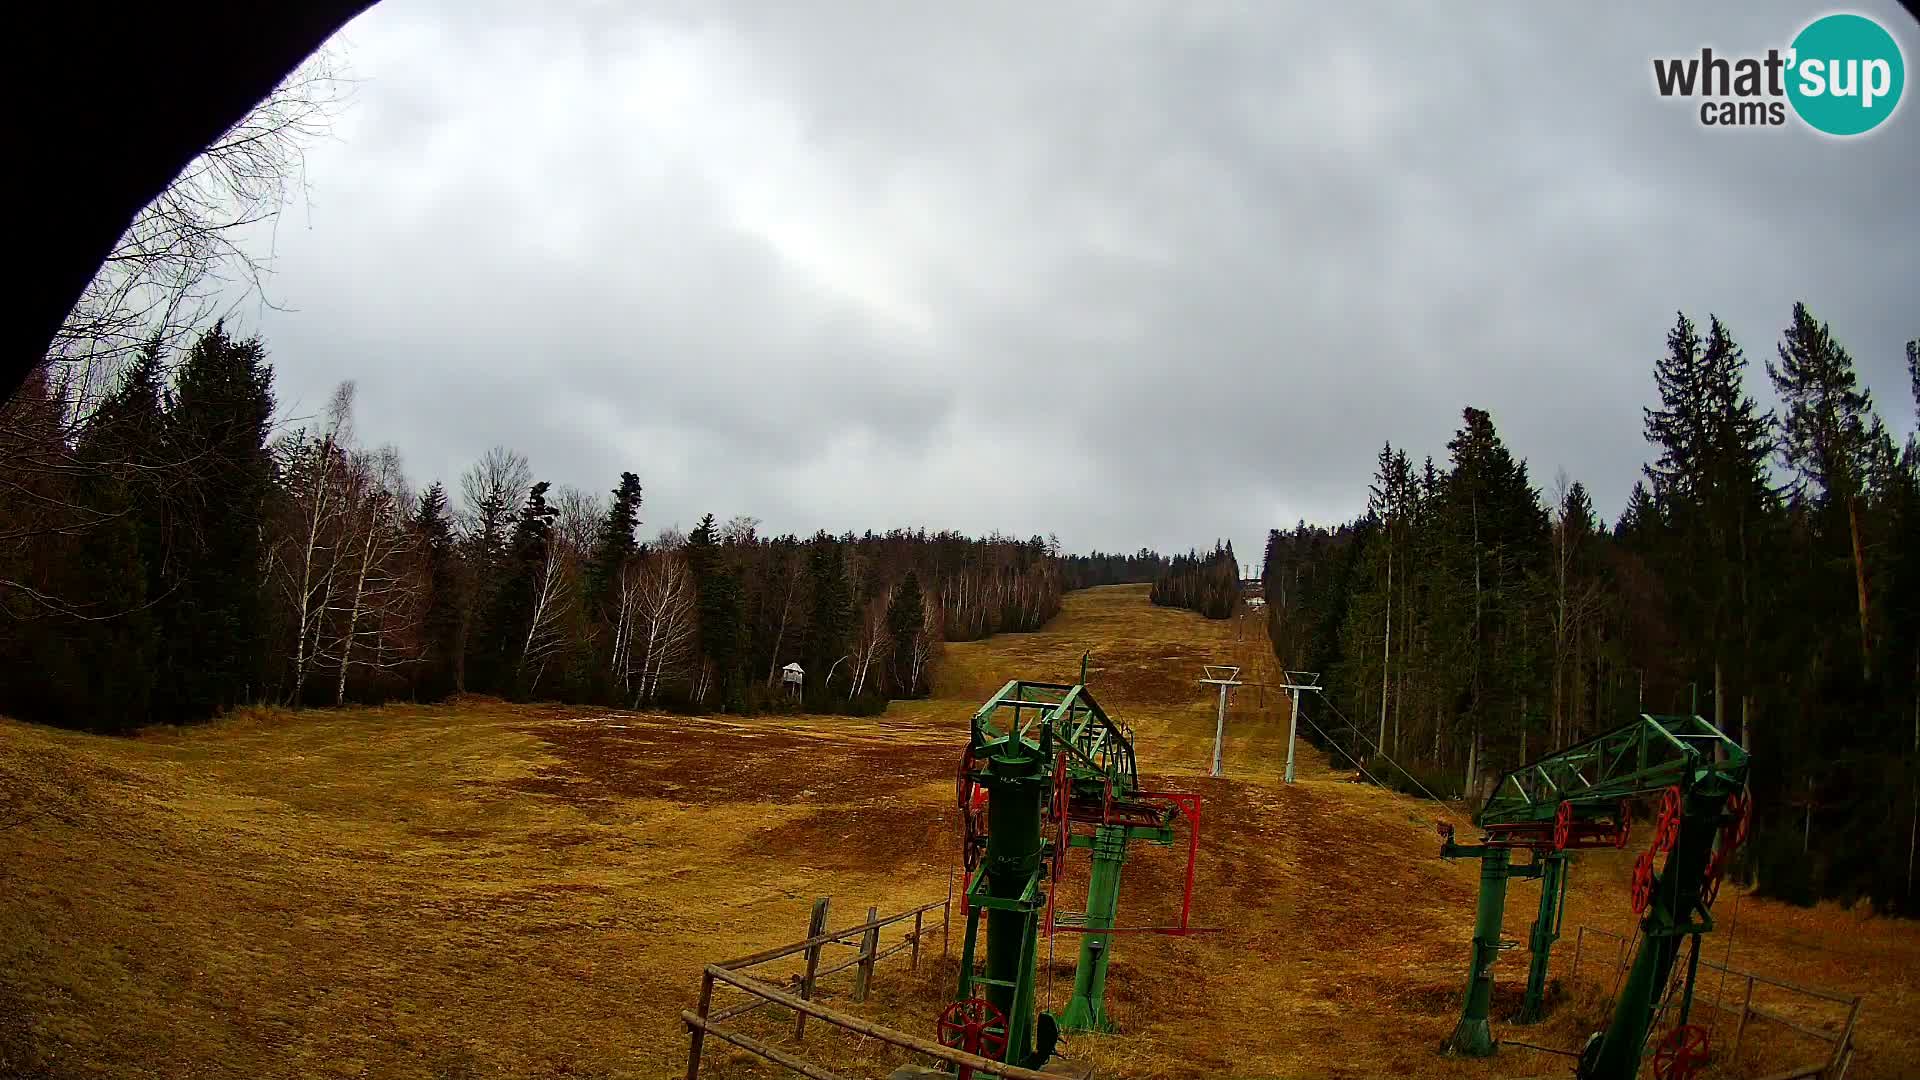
column 1826, row 434
column 1499, row 540
column 213, row 623
column 105, row 660
column 830, row 623
column 1710, row 480
column 904, row 616
column 440, row 622
column 721, row 628
column 499, row 668
column 1829, row 436
column 613, row 545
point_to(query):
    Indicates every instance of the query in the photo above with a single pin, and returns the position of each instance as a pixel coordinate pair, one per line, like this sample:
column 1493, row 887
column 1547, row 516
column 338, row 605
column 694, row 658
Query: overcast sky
column 1134, row 274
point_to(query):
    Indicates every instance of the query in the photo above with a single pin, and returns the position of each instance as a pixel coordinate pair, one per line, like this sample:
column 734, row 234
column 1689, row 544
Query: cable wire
column 1363, row 769
column 1444, row 808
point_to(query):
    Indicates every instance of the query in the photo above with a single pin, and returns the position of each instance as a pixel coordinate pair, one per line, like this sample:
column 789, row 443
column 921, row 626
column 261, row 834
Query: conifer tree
column 903, row 623
column 510, row 619
column 1710, row 481
column 1828, row 440
column 719, row 612
column 613, row 545
column 830, row 623
column 106, row 661
column 440, row 623
column 213, row 623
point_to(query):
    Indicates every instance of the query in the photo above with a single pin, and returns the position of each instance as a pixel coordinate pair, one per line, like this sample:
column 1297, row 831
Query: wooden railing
column 703, row 1020
column 1840, row 1045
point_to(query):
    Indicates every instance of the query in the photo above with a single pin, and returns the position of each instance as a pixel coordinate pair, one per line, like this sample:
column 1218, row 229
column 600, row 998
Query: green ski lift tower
column 1046, row 771
column 1583, row 797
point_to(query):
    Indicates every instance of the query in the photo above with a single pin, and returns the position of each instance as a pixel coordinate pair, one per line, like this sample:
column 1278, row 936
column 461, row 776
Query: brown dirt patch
column 699, row 763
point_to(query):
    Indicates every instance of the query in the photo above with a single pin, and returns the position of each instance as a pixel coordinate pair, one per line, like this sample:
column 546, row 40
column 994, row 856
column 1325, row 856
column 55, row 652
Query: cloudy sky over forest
column 1131, row 273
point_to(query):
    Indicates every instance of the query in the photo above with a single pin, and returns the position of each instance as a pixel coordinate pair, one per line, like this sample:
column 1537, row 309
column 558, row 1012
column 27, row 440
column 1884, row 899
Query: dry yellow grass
column 481, row 890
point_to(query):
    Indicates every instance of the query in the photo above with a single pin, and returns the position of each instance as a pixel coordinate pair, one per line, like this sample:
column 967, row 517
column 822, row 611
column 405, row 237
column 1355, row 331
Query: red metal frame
column 1131, row 812
column 975, row 1026
column 1564, row 833
column 1683, row 1052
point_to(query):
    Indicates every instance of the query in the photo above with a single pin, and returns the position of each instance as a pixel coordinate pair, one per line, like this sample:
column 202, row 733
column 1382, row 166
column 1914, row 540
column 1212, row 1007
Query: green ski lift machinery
column 1583, row 797
column 1046, row 771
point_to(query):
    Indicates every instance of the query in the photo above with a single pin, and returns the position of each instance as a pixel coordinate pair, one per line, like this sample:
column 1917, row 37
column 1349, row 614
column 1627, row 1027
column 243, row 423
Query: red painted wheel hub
column 1710, row 884
column 1666, row 829
column 1733, row 835
column 1563, row 826
column 973, row 821
column 964, row 785
column 1682, row 1053
column 975, row 1026
column 1642, row 882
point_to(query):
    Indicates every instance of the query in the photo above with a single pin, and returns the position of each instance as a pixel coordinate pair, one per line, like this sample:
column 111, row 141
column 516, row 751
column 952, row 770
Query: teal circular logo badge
column 1846, row 74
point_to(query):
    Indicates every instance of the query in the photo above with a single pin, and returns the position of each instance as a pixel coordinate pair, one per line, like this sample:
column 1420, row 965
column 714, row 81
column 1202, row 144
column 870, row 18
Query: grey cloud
column 1135, row 274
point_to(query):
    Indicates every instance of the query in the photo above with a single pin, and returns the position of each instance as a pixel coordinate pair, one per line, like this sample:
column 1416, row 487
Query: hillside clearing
column 486, row 890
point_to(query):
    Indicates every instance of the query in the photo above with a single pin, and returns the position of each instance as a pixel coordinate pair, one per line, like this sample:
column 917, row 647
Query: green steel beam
column 1674, row 913
column 1636, row 759
column 1086, row 1009
column 1650, row 755
column 1545, row 931
column 1473, row 1036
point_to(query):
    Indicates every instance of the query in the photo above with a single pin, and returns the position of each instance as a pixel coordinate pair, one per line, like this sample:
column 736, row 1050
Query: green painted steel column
column 1617, row 1056
column 1546, row 931
column 1015, row 786
column 1473, row 1037
column 1087, row 1010
column 1676, row 892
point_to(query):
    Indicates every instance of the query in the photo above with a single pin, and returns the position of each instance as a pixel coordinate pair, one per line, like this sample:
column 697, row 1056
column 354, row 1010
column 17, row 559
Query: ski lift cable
column 1363, row 769
column 1444, row 808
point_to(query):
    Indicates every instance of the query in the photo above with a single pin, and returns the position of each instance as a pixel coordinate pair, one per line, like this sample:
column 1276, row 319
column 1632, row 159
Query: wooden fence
column 797, row 996
column 1839, row 1046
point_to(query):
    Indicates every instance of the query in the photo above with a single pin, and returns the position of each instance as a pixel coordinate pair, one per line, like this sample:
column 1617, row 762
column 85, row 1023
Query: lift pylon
column 1583, row 797
column 1049, row 771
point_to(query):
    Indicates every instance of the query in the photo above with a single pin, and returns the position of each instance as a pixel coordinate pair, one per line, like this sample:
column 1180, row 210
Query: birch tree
column 382, row 600
column 665, row 620
column 313, row 467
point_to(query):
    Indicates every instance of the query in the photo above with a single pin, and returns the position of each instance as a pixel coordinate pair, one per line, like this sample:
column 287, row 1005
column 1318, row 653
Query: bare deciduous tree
column 384, row 595
column 926, row 643
column 197, row 247
column 870, row 642
column 491, row 491
column 664, row 620
column 740, row 529
column 1576, row 598
column 553, row 594
column 581, row 513
column 312, row 467
column 789, row 573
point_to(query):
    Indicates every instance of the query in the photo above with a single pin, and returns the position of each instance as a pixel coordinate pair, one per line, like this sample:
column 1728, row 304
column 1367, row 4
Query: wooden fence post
column 815, row 927
column 869, row 948
column 913, row 957
column 1579, row 937
column 1746, row 1007
column 1837, row 1064
column 699, row 1033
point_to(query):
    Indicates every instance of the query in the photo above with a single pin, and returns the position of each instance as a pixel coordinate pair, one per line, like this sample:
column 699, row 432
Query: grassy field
column 481, row 890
